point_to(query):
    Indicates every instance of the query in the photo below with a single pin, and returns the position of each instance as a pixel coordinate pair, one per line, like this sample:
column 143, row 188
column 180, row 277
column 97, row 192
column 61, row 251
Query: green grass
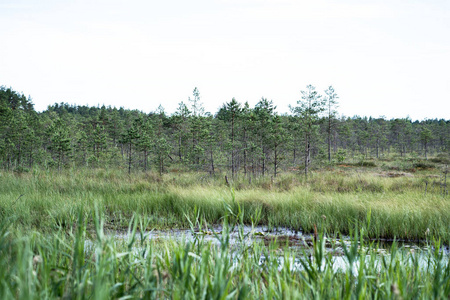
column 61, row 265
column 336, row 199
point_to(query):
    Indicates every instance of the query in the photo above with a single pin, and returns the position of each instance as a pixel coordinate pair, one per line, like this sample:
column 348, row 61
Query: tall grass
column 400, row 207
column 71, row 266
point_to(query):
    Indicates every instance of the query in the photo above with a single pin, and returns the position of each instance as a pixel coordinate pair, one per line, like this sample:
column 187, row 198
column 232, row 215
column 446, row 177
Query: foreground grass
column 64, row 265
column 336, row 200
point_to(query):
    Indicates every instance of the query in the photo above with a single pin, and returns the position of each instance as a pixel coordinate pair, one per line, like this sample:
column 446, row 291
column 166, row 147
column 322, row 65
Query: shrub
column 442, row 158
column 365, row 163
column 423, row 165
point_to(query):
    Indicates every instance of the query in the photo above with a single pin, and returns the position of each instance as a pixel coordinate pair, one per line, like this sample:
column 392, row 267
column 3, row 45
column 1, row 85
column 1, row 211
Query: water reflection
column 302, row 246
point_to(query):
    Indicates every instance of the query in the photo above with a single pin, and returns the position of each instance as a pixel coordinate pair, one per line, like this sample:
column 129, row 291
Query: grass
column 336, row 198
column 63, row 265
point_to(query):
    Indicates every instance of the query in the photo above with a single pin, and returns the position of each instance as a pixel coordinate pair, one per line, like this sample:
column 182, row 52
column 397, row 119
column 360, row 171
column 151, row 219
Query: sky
column 384, row 58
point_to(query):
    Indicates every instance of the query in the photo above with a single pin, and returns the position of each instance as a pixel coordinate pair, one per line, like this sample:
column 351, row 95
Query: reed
column 80, row 264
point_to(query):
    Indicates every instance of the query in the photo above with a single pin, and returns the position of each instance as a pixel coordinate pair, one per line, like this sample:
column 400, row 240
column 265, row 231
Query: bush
column 423, row 165
column 441, row 158
column 368, row 164
column 22, row 169
column 365, row 163
column 340, row 155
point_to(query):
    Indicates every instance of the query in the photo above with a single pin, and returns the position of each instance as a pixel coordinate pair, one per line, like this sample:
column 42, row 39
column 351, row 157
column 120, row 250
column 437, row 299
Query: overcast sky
column 388, row 58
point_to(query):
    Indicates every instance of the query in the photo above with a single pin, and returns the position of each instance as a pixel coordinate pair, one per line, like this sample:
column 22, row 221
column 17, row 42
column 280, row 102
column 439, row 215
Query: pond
column 299, row 244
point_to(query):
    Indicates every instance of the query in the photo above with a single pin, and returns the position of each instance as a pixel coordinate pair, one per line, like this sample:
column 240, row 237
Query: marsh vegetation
column 70, row 249
column 82, row 189
column 63, row 265
column 409, row 206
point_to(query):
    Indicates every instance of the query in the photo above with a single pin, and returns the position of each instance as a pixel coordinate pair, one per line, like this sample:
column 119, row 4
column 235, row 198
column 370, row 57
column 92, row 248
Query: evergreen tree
column 162, row 151
column 264, row 113
column 425, row 137
column 309, row 109
column 196, row 128
column 145, row 138
column 238, row 138
column 277, row 138
column 60, row 143
column 230, row 113
column 180, row 123
column 331, row 104
column 129, row 139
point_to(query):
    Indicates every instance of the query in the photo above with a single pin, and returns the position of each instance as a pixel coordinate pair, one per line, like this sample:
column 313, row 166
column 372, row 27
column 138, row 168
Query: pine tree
column 162, row 151
column 230, row 113
column 309, row 109
column 331, row 104
column 198, row 112
column 180, row 123
column 60, row 143
column 425, row 137
column 264, row 112
column 145, row 138
column 129, row 139
column 277, row 139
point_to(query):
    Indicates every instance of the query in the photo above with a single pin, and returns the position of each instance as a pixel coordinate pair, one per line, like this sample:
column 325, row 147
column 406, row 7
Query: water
column 296, row 242
column 281, row 235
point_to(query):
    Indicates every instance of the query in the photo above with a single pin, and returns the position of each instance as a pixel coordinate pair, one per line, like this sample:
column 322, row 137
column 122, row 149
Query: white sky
column 388, row 58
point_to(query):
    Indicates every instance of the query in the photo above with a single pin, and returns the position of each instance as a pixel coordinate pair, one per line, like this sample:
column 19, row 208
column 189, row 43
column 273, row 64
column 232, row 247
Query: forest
column 236, row 140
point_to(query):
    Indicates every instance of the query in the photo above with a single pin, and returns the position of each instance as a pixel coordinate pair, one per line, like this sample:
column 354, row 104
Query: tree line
column 237, row 139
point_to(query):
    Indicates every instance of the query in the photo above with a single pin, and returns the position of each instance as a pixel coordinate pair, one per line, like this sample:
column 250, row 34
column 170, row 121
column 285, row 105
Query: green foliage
column 72, row 257
column 399, row 205
column 80, row 265
column 365, row 163
column 60, row 143
column 424, row 165
column 308, row 111
column 238, row 139
column 162, row 150
column 442, row 158
column 340, row 156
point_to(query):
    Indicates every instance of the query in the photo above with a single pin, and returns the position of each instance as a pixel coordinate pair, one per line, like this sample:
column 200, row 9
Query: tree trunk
column 245, row 152
column 19, row 154
column 31, row 157
column 307, row 154
column 295, row 158
column 275, row 161
column 179, row 147
column 212, row 162
column 335, row 142
column 378, row 146
column 59, row 162
column 329, row 139
column 264, row 163
column 245, row 162
column 145, row 160
column 129, row 160
column 232, row 147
